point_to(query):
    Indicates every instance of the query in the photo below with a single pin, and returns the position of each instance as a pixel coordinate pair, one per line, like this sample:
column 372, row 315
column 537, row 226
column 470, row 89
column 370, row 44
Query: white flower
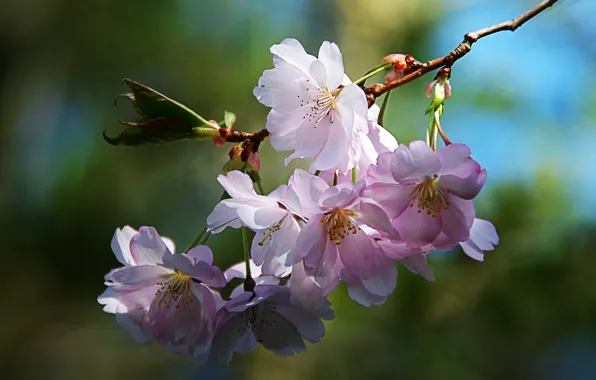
column 273, row 218
column 316, row 111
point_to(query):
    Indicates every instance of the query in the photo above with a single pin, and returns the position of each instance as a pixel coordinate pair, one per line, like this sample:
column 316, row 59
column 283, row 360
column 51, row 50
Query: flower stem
column 260, row 187
column 197, row 239
column 373, row 72
column 383, row 108
column 249, row 282
column 441, row 132
column 335, row 177
column 354, row 177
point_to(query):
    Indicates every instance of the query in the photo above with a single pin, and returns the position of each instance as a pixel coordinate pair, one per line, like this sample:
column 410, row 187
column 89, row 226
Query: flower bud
column 439, row 89
column 399, row 63
column 243, row 155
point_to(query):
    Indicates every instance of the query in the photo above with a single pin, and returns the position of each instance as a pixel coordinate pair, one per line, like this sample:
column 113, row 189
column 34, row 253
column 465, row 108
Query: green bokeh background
column 526, row 312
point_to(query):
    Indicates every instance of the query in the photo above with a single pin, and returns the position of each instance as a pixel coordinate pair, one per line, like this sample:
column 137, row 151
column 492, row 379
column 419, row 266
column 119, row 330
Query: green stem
column 249, row 283
column 335, row 178
column 431, row 122
column 383, row 108
column 354, row 174
column 260, row 187
column 317, row 173
column 197, row 239
column 370, row 73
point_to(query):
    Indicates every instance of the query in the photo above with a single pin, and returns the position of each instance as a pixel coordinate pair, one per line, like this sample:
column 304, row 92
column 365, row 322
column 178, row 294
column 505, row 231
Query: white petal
column 221, row 217
column 237, row 184
column 121, row 245
column 292, row 52
column 331, row 57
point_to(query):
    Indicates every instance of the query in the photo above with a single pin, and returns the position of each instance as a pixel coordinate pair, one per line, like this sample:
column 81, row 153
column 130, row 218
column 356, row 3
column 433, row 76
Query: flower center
column 175, row 288
column 271, row 230
column 431, row 196
column 257, row 318
column 325, row 101
column 339, row 224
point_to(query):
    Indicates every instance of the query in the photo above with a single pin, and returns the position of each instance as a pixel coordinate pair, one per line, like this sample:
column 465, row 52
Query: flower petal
column 121, row 245
column 417, row 228
column 331, row 57
column 147, row 248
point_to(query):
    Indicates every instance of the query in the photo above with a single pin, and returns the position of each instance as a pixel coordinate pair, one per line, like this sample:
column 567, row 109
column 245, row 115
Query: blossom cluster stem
column 459, row 52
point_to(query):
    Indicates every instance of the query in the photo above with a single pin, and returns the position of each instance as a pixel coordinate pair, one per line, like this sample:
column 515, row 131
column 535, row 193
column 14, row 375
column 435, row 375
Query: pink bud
column 254, row 163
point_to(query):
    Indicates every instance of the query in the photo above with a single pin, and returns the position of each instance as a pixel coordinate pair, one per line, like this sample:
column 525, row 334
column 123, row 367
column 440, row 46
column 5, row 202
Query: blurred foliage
column 527, row 312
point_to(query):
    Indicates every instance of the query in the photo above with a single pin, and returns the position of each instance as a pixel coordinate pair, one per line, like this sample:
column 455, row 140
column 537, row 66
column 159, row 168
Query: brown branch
column 376, row 90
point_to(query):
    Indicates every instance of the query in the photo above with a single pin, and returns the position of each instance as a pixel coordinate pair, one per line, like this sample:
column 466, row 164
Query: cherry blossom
column 316, row 111
column 273, row 217
column 165, row 295
column 427, row 193
column 374, row 141
column 267, row 315
column 332, row 241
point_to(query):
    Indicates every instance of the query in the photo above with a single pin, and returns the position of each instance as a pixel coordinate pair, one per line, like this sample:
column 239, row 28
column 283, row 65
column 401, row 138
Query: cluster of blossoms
column 366, row 203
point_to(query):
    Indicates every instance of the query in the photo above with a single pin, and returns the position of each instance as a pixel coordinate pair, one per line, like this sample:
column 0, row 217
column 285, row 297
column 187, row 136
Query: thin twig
column 460, row 51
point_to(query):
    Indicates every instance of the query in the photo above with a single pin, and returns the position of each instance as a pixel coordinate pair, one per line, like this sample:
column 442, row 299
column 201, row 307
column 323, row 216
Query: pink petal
column 383, row 282
column 311, row 241
column 452, row 156
column 374, row 216
column 201, row 253
column 457, row 219
column 417, row 229
column 357, row 254
column 308, row 189
column 393, row 198
column 139, row 276
column 147, row 248
column 424, row 160
column 417, row 264
column 360, row 294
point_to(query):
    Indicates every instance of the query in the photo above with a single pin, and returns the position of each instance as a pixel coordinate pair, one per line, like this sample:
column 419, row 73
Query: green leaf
column 230, row 119
column 162, row 120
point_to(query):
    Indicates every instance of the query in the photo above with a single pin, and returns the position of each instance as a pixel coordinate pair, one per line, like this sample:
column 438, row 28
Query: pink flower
column 267, row 315
column 273, row 217
column 426, row 193
column 333, row 242
column 316, row 111
column 166, row 295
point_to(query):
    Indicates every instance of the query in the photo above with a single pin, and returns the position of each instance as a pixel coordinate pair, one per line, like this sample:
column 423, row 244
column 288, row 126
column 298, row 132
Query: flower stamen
column 339, row 224
column 175, row 288
column 432, row 198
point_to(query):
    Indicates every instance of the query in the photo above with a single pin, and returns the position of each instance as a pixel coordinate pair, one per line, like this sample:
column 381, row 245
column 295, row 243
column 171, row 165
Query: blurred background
column 524, row 102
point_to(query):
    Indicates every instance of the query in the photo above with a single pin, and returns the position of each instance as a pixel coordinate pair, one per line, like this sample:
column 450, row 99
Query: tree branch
column 420, row 69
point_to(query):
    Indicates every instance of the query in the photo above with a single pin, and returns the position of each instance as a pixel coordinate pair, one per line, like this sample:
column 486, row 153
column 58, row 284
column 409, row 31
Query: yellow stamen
column 176, row 287
column 339, row 224
column 432, row 198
